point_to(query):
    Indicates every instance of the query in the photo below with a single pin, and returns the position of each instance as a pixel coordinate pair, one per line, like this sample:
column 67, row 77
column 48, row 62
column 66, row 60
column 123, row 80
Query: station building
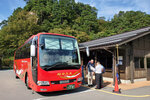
column 129, row 50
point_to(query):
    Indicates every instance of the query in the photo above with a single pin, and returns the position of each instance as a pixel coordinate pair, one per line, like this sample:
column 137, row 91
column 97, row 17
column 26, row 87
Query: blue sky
column 106, row 8
column 7, row 7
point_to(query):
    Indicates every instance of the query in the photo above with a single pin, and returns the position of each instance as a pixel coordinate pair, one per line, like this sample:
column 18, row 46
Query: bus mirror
column 32, row 50
column 87, row 51
column 35, row 42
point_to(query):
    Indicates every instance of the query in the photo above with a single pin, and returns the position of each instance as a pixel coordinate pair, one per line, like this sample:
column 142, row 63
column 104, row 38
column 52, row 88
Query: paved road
column 15, row 89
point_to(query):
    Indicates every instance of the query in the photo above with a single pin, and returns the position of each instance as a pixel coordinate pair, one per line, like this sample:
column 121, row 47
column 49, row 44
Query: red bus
column 49, row 62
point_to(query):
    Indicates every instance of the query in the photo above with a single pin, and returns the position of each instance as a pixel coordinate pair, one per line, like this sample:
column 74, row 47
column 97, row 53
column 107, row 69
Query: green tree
column 81, row 36
column 21, row 25
column 64, row 13
column 127, row 21
column 122, row 22
column 87, row 18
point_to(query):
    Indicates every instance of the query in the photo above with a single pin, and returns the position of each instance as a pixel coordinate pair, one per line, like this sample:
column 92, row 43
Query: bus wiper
column 61, row 64
column 47, row 67
column 74, row 65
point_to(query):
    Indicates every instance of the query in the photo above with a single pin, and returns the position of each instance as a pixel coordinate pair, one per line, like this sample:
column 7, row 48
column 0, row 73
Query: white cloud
column 92, row 3
column 77, row 0
column 109, row 12
column 143, row 5
column 1, row 19
column 108, row 8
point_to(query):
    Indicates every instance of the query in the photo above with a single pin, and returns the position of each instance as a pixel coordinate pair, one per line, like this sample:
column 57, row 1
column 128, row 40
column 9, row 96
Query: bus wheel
column 17, row 77
column 27, row 82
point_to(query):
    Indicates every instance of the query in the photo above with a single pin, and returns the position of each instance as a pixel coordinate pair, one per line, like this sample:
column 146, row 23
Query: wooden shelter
column 129, row 50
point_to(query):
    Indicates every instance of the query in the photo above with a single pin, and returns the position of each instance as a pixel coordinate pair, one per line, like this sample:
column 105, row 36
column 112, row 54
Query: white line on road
column 65, row 94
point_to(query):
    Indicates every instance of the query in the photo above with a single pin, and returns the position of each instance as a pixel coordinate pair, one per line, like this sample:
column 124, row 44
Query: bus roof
column 56, row 34
column 49, row 34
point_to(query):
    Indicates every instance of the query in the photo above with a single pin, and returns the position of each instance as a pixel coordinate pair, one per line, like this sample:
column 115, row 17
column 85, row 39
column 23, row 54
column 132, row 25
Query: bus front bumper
column 58, row 87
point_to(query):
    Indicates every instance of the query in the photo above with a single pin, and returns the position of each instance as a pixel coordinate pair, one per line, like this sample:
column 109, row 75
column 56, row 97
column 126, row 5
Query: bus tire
column 27, row 82
column 17, row 77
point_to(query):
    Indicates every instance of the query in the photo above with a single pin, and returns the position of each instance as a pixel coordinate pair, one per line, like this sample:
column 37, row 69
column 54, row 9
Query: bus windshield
column 58, row 52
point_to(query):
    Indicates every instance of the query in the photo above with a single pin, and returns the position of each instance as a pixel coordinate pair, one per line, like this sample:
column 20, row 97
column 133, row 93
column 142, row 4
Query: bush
column 7, row 63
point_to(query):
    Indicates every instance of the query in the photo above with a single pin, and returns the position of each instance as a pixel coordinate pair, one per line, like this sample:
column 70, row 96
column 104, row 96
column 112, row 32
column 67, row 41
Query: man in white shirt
column 98, row 75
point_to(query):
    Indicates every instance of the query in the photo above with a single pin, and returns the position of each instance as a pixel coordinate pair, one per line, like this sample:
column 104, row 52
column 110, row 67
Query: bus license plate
column 69, row 87
column 64, row 81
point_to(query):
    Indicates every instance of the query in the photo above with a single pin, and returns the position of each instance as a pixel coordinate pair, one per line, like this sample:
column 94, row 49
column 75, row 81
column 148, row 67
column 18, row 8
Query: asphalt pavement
column 15, row 89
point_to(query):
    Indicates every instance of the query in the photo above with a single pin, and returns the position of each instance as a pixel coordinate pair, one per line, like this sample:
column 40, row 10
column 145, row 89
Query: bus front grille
column 63, row 81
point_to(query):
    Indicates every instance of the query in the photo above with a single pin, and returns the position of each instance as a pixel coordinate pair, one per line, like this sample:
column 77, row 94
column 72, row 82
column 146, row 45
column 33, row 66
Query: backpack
column 103, row 70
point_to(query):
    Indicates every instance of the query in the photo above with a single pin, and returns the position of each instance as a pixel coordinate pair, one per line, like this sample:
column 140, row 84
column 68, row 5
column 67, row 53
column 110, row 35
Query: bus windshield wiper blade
column 75, row 65
column 61, row 64
column 47, row 67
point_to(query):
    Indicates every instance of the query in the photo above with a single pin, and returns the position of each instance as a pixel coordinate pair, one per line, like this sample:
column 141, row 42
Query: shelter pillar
column 131, row 63
column 114, row 66
column 95, row 57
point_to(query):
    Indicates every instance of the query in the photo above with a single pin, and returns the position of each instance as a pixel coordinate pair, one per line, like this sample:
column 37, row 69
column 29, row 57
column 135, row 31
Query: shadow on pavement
column 80, row 89
column 106, row 83
column 57, row 93
column 6, row 69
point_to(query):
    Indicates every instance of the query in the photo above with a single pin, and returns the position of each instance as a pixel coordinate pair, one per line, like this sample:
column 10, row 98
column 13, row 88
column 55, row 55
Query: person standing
column 118, row 73
column 98, row 75
column 90, row 74
column 83, row 74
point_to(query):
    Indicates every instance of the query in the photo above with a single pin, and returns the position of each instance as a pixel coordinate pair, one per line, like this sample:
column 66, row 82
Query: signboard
column 120, row 60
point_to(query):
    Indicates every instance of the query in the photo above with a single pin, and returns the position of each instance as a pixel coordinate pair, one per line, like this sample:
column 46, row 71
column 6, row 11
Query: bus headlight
column 79, row 79
column 43, row 83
